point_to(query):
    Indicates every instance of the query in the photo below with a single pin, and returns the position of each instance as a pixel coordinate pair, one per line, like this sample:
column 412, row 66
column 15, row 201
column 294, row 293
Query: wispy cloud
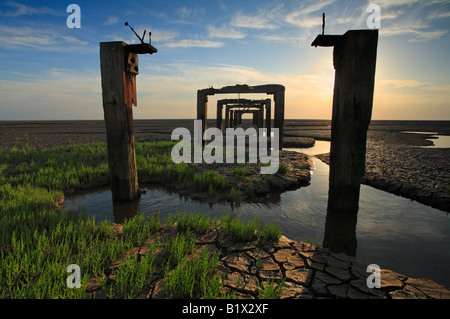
column 17, row 9
column 187, row 43
column 302, row 15
column 111, row 20
column 262, row 20
column 224, row 32
column 40, row 39
column 413, row 19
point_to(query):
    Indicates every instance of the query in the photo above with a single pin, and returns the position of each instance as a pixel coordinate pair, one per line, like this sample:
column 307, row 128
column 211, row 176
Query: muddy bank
column 294, row 172
column 398, row 163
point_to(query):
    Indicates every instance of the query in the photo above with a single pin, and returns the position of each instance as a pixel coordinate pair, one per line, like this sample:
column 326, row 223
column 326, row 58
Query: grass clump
column 241, row 171
column 179, row 247
column 140, row 227
column 194, row 278
column 210, row 181
column 252, row 230
column 283, row 168
column 235, row 193
column 271, row 289
column 133, row 275
column 190, row 222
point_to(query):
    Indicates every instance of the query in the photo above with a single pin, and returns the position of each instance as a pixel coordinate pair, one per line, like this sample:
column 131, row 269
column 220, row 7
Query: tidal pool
column 439, row 141
column 394, row 232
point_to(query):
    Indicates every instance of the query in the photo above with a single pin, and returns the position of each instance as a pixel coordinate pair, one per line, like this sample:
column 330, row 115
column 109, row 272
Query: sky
column 52, row 72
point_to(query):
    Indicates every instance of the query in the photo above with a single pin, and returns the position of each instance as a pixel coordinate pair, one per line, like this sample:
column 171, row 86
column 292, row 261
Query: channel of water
column 393, row 232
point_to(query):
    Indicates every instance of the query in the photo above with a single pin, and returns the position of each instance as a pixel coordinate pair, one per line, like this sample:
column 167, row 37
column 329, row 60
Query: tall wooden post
column 354, row 57
column 219, row 116
column 279, row 114
column 268, row 116
column 119, row 121
column 202, row 107
column 119, row 67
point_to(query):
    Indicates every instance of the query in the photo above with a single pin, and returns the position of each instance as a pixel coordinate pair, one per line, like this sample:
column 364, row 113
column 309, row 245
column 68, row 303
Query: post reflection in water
column 340, row 232
column 125, row 210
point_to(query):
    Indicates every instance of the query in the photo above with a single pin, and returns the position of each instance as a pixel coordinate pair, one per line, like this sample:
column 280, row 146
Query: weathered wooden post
column 354, row 58
column 219, row 120
column 119, row 67
column 279, row 114
column 268, row 116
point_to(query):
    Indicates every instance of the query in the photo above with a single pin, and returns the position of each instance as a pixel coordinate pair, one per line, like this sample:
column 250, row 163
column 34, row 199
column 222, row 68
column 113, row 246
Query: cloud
column 187, row 43
column 40, row 39
column 21, row 10
column 413, row 19
column 111, row 20
column 262, row 20
column 413, row 84
column 302, row 16
column 224, row 32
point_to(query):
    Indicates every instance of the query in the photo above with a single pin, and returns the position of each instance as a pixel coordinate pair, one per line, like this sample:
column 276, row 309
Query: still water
column 439, row 141
column 391, row 231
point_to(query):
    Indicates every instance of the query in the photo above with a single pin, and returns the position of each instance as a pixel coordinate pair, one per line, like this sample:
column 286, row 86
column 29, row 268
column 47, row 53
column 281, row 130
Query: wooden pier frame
column 246, row 104
column 119, row 67
column 354, row 57
column 277, row 90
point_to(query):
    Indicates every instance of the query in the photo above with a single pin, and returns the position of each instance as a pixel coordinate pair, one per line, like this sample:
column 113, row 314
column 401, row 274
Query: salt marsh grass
column 38, row 239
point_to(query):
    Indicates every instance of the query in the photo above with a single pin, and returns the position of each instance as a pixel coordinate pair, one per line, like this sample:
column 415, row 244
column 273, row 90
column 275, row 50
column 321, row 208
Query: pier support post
column 119, row 122
column 119, row 67
column 354, row 58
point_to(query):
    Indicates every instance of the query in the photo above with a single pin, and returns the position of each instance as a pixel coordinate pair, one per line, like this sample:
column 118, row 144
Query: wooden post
column 279, row 115
column 118, row 115
column 219, row 116
column 354, row 58
column 268, row 116
column 202, row 106
column 340, row 232
column 227, row 117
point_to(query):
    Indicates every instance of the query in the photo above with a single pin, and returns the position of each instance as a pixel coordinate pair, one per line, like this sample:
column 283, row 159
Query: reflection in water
column 340, row 232
column 320, row 147
column 125, row 210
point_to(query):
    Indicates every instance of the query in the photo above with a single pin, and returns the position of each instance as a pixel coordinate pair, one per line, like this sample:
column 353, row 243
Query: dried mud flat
column 308, row 272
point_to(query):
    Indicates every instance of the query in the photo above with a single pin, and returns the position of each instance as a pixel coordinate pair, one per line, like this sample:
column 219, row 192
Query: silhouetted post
column 279, row 114
column 119, row 67
column 268, row 116
column 202, row 107
column 340, row 232
column 219, row 116
column 354, row 58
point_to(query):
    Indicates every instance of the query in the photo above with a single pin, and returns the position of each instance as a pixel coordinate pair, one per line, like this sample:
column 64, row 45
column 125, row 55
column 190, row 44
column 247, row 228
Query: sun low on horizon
column 51, row 70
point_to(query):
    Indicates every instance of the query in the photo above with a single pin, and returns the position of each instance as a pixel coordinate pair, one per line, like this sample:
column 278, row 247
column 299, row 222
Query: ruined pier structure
column 276, row 90
column 235, row 108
